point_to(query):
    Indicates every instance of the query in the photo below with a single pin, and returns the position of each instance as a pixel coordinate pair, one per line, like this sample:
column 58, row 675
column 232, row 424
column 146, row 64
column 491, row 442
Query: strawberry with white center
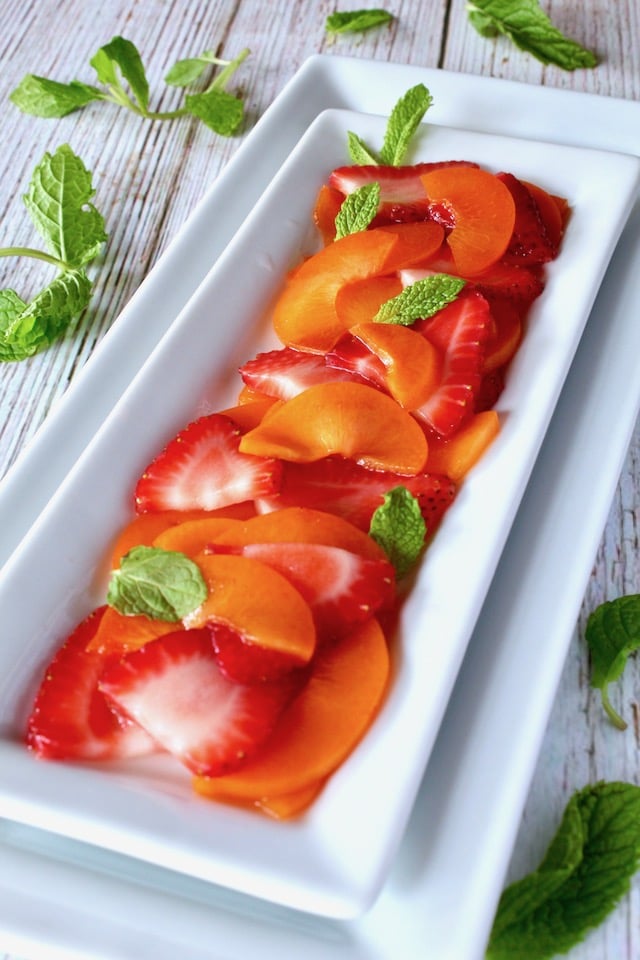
column 341, row 587
column 461, row 330
column 175, row 690
column 287, row 372
column 71, row 719
column 202, row 469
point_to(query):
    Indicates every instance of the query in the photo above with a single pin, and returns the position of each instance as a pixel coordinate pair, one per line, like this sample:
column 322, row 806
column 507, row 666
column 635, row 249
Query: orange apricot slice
column 289, row 805
column 413, row 365
column 506, row 337
column 349, row 419
column 320, row 727
column 359, row 302
column 325, row 210
column 483, row 211
column 301, row 525
column 120, row 634
column 258, row 603
column 249, row 410
column 456, row 456
column 192, row 536
column 305, row 314
column 144, row 528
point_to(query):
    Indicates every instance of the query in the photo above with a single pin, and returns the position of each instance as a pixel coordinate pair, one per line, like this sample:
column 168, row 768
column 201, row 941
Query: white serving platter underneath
column 391, row 908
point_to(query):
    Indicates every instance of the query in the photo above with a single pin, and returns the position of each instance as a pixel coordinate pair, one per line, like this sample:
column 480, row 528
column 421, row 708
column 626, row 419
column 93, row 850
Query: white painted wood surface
column 149, row 177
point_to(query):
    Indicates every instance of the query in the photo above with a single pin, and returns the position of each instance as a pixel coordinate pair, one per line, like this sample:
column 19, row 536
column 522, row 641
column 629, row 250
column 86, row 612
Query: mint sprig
column 399, row 528
column 586, row 871
column 122, row 80
column 404, row 120
column 358, row 210
column 357, row 21
column 59, row 203
column 530, row 29
column 420, row 300
column 612, row 634
column 158, row 584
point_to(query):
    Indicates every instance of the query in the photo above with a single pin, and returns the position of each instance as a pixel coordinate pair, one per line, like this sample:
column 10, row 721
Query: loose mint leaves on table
column 121, row 73
column 58, row 201
column 357, row 21
column 586, row 871
column 530, row 29
column 612, row 634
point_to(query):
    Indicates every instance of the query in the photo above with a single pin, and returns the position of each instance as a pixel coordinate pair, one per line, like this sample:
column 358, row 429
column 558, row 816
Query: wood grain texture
column 150, row 176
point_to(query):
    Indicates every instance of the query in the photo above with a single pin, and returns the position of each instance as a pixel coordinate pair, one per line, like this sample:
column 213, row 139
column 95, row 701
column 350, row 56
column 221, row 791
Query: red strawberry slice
column 175, row 690
column 530, row 243
column 202, row 469
column 343, row 487
column 518, row 285
column 342, row 588
column 71, row 719
column 402, row 194
column 352, row 356
column 246, row 662
column 461, row 331
column 287, row 372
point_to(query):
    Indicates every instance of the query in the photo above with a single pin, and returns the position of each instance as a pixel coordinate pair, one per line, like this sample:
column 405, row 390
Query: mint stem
column 231, row 67
column 615, row 717
column 35, row 254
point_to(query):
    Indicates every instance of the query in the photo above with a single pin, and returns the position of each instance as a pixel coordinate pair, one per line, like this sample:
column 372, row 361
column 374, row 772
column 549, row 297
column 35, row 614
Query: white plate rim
column 530, row 93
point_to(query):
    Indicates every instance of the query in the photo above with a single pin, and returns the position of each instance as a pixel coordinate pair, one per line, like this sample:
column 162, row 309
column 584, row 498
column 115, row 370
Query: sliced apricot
column 456, row 456
column 258, row 603
column 301, row 525
column 413, row 365
column 320, row 727
column 359, row 302
column 192, row 536
column 349, row 419
column 483, row 213
column 506, row 336
column 305, row 313
column 325, row 210
column 249, row 411
column 289, row 805
column 119, row 634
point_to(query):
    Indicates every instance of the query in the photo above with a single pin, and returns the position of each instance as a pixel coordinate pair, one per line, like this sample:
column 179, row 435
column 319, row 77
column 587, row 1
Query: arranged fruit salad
column 249, row 621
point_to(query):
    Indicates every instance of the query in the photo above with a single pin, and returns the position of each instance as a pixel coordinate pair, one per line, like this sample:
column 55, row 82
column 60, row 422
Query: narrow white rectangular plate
column 336, row 859
column 413, row 909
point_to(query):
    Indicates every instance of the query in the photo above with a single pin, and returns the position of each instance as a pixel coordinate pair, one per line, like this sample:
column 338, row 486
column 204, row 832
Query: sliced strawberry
column 491, row 387
column 246, row 662
column 530, row 243
column 202, row 469
column 287, row 372
column 341, row 587
column 352, row 356
column 518, row 285
column 71, row 719
column 342, row 487
column 175, row 690
column 461, row 331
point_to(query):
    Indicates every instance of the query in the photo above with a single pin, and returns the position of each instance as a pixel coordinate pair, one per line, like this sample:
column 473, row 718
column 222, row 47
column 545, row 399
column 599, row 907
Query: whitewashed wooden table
column 150, row 176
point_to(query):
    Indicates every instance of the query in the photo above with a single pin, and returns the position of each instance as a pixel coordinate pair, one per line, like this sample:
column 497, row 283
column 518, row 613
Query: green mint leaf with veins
column 41, row 97
column 159, row 584
column 58, row 202
column 586, row 871
column 359, row 151
column 530, row 29
column 358, row 210
column 420, row 300
column 26, row 329
column 399, row 528
column 403, row 123
column 218, row 110
column 356, row 21
column 185, row 72
column 120, row 60
column 612, row 633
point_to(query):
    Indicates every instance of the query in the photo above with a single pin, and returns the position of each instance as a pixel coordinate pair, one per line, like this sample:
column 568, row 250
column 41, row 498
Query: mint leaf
column 358, row 210
column 187, row 71
column 584, row 874
column 58, row 202
column 41, row 97
column 359, row 151
column 612, row 633
column 159, row 584
column 356, row 21
column 119, row 59
column 399, row 528
column 403, row 123
column 530, row 29
column 26, row 329
column 219, row 110
column 420, row 300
